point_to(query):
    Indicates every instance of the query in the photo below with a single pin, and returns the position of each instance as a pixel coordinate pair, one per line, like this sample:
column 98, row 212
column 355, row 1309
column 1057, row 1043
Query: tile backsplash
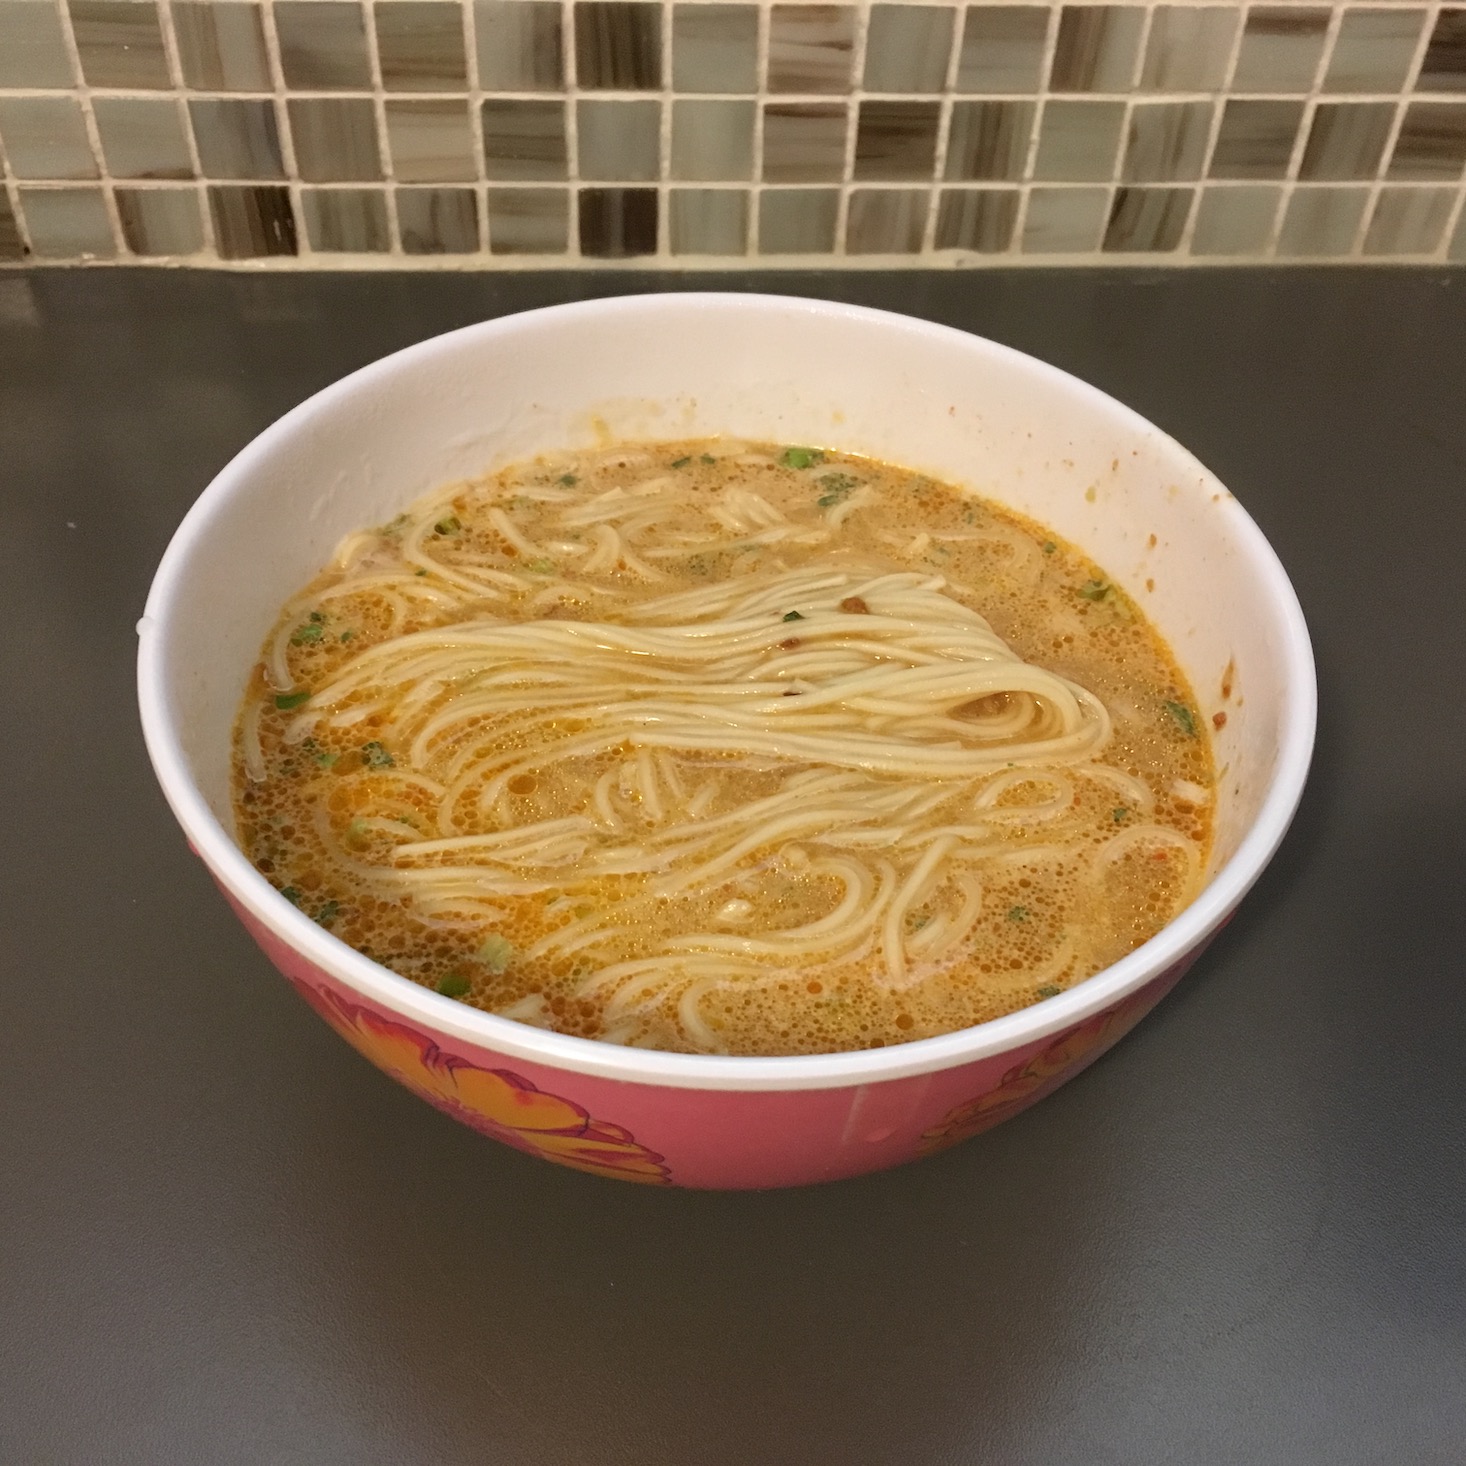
column 504, row 133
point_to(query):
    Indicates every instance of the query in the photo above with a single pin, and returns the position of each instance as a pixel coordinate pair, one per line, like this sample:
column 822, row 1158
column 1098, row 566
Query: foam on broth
column 1060, row 870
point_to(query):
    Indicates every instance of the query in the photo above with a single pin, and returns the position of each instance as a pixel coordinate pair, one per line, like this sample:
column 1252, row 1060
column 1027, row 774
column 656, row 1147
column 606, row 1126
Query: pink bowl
column 671, row 366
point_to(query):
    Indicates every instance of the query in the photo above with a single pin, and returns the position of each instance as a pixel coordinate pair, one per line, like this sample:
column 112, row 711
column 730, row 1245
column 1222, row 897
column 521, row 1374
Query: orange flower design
column 494, row 1102
column 1036, row 1076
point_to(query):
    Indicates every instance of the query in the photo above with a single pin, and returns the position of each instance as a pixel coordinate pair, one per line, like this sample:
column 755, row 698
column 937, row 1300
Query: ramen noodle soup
column 725, row 748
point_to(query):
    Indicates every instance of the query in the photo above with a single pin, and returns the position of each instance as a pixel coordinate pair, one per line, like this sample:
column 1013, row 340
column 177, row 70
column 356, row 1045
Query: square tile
column 712, row 140
column 45, row 137
column 1256, row 139
column 67, row 223
column 335, row 139
column 1409, row 221
column 1430, row 147
column 529, row 221
column 142, row 137
column 804, row 142
column 896, row 140
column 10, row 246
column 979, row 220
column 1236, row 221
column 120, row 43
column 1078, row 139
column 1002, row 48
column 907, row 48
column 524, row 141
column 1167, row 141
column 618, row 45
column 708, row 221
column 1147, row 220
column 32, row 48
column 618, row 223
column 420, row 46
column 989, row 140
column 431, row 140
column 221, row 46
column 323, row 45
column 1347, row 140
column 438, row 221
column 1064, row 220
column 798, row 221
column 715, row 48
column 886, row 221
column 1444, row 66
column 160, row 221
column 520, row 45
column 811, row 48
column 1097, row 48
column 1322, row 221
column 1373, row 50
column 346, row 220
column 252, row 222
column 1189, row 48
column 618, row 142
column 1281, row 48
column 237, row 138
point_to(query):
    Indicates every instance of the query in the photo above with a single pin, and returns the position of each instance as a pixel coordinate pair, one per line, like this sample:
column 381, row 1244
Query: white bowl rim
column 1181, row 937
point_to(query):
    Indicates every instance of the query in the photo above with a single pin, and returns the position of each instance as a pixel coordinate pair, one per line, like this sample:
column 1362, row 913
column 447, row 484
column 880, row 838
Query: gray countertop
column 1240, row 1237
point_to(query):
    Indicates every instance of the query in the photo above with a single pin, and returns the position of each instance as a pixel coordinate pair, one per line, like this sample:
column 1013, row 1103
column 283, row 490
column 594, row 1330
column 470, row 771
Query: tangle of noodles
column 813, row 802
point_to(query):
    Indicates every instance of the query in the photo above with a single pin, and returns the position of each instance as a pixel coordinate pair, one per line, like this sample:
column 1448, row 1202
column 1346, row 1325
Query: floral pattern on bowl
column 1039, row 1074
column 495, row 1102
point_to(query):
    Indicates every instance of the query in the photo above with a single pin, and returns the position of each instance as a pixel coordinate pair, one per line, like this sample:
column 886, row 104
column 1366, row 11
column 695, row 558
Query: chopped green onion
column 495, row 953
column 347, row 634
column 287, row 700
column 1121, row 812
column 420, row 572
column 1185, row 718
column 1049, row 547
column 454, row 985
column 540, row 566
column 681, row 462
column 1095, row 590
column 1048, row 990
column 326, row 759
column 376, row 756
column 837, row 487
column 1018, row 913
column 450, row 525
column 290, row 894
column 793, row 616
column 708, row 458
column 328, row 913
column 569, row 480
column 304, row 634
column 317, row 617
column 801, row 457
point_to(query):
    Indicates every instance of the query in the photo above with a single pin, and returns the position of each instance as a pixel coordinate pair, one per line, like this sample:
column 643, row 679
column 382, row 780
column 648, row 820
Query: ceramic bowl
column 965, row 410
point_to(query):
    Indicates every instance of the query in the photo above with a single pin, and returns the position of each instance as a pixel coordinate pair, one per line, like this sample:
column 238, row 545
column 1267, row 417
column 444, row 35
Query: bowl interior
column 962, row 409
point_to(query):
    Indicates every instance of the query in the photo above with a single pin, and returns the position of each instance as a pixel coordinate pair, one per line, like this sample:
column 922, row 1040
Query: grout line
column 279, row 95
column 664, row 137
column 570, row 63
column 180, row 102
column 756, row 191
column 853, row 100
column 83, row 95
column 946, row 104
